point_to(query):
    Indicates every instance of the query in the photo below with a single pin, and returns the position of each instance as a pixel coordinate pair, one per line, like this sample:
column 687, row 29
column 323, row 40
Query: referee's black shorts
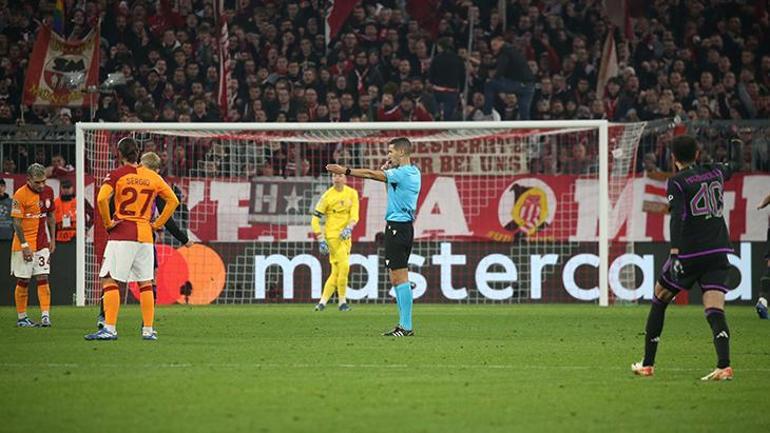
column 398, row 244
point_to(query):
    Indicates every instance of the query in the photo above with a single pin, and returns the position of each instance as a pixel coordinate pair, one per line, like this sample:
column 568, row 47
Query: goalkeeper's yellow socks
column 342, row 291
column 343, row 269
column 405, row 300
column 147, row 304
column 328, row 292
column 111, row 301
column 21, row 294
column 44, row 295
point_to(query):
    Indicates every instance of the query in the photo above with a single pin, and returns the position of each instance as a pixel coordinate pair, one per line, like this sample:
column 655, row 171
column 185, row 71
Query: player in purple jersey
column 699, row 248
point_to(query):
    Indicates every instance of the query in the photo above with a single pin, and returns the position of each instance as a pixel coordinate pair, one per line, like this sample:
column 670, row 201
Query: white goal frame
column 601, row 125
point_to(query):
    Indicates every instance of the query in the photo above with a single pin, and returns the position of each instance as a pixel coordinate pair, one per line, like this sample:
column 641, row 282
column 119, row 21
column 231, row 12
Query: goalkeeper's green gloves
column 346, row 233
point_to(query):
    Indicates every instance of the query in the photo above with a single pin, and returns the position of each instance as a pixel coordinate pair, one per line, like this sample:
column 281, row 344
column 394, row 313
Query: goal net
column 508, row 212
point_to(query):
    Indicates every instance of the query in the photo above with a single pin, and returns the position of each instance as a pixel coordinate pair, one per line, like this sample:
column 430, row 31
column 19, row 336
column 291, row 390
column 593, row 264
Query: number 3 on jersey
column 708, row 201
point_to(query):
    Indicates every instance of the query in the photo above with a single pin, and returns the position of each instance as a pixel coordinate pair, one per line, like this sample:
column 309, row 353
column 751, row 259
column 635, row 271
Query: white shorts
column 128, row 261
column 40, row 264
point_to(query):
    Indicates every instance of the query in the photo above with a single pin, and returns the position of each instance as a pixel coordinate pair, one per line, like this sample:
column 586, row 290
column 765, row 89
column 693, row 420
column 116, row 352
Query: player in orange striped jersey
column 151, row 160
column 33, row 207
column 129, row 256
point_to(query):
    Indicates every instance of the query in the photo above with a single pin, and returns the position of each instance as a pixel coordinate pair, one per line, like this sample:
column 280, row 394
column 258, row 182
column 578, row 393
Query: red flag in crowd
column 60, row 71
column 609, row 66
column 336, row 15
column 224, row 60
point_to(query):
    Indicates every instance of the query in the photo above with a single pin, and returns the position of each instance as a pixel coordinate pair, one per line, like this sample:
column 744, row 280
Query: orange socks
column 44, row 295
column 22, row 297
column 147, row 304
column 111, row 301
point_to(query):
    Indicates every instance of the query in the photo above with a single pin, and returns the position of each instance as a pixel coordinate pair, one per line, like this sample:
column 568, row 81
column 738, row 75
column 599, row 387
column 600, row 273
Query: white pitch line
column 366, row 366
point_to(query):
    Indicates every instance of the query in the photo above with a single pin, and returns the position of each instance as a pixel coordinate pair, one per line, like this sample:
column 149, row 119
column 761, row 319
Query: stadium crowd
column 687, row 59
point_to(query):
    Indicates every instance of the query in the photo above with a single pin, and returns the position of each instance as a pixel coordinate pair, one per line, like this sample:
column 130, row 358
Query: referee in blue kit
column 403, row 185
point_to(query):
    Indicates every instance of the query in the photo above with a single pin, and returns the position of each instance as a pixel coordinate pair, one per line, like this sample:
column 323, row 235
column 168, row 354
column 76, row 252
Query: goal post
column 476, row 160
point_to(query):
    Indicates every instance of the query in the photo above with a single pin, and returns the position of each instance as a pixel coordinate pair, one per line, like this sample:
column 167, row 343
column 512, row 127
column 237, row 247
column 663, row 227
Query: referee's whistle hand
column 335, row 168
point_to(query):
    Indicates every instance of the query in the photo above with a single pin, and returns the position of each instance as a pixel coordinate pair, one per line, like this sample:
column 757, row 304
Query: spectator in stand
column 6, row 222
column 513, row 75
column 335, row 110
column 180, row 164
column 422, row 96
column 9, row 166
column 363, row 75
column 511, row 107
column 59, row 168
column 579, row 163
column 64, row 118
column 650, row 163
column 447, row 78
column 201, row 112
column 756, row 150
column 405, row 111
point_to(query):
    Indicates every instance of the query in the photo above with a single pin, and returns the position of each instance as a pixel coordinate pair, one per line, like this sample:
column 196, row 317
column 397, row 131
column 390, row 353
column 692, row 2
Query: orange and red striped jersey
column 134, row 189
column 33, row 208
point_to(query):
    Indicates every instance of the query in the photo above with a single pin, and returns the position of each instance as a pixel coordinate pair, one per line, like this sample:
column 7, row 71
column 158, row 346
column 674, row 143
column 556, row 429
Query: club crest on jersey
column 526, row 207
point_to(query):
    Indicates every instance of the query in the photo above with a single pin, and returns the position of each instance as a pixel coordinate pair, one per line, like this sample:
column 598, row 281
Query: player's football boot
column 719, row 374
column 102, row 334
column 399, row 332
column 100, row 322
column 761, row 308
column 26, row 323
column 641, row 370
column 150, row 336
column 345, row 307
column 45, row 322
column 320, row 307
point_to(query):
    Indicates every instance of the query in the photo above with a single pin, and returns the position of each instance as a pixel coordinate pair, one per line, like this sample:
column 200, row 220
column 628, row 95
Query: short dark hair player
column 699, row 248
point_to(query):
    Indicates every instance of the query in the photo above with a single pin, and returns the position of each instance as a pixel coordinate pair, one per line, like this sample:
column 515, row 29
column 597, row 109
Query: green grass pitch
column 285, row 368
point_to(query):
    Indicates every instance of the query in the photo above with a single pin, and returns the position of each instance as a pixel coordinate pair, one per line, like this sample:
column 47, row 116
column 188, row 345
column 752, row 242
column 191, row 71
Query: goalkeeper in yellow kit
column 339, row 205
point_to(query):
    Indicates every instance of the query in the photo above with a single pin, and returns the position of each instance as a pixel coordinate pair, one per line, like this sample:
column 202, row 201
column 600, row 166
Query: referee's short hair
column 403, row 144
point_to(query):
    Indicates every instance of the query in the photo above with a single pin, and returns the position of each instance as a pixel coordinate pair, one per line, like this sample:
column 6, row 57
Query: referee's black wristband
column 347, row 171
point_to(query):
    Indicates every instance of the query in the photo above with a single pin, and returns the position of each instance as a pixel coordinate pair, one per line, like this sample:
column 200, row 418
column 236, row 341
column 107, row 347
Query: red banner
column 61, row 71
column 460, row 208
column 457, row 208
